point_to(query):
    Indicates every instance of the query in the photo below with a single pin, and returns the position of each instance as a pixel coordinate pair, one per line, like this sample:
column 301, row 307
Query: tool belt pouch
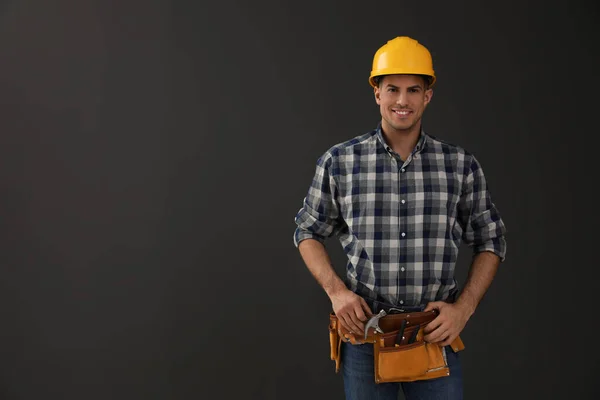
column 335, row 341
column 407, row 362
column 402, row 362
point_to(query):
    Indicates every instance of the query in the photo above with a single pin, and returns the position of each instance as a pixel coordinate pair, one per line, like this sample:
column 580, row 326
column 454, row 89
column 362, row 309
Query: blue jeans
column 359, row 379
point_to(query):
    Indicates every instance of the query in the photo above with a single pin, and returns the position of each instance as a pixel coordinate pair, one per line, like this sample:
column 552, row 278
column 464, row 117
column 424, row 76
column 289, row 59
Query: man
column 401, row 201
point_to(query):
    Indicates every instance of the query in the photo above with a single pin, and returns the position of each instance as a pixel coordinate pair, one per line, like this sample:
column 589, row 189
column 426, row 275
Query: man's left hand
column 449, row 323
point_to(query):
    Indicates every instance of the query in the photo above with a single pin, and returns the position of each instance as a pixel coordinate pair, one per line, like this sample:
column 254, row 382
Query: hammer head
column 374, row 323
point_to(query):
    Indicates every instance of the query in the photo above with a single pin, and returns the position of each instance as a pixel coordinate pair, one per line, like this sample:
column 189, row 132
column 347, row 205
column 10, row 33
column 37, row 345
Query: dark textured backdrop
column 153, row 155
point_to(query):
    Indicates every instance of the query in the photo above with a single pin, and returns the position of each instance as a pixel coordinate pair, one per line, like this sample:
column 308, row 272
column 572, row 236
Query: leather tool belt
column 397, row 358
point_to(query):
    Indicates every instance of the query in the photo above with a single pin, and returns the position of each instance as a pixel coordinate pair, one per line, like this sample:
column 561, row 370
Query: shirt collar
column 421, row 143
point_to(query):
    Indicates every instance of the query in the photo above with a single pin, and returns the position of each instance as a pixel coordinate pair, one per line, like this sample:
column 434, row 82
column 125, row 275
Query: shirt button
column 403, row 234
column 402, row 269
column 402, row 170
column 403, row 201
column 401, row 301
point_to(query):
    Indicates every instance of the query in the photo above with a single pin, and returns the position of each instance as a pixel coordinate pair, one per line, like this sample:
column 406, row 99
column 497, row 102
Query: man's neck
column 402, row 142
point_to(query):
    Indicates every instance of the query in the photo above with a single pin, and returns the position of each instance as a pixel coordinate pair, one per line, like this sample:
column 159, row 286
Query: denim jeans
column 359, row 380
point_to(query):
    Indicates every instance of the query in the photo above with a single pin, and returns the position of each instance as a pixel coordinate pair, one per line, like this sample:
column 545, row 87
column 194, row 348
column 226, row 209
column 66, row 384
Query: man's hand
column 352, row 310
column 449, row 323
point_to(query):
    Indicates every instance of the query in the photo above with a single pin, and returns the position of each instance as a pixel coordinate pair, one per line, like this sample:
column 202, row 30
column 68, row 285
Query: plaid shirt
column 401, row 223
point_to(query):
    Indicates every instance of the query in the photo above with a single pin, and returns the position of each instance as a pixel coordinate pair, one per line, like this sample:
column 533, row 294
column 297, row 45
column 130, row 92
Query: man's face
column 402, row 100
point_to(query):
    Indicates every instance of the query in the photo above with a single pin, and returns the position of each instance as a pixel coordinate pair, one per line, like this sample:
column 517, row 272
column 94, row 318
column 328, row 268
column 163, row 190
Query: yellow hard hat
column 402, row 55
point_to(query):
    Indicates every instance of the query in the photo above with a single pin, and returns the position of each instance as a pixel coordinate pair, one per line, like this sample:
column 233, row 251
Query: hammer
column 374, row 323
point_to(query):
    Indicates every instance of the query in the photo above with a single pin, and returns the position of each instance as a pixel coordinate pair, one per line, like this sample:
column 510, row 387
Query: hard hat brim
column 432, row 78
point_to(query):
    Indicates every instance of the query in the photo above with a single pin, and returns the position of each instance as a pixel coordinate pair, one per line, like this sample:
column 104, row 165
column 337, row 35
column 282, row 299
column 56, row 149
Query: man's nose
column 402, row 99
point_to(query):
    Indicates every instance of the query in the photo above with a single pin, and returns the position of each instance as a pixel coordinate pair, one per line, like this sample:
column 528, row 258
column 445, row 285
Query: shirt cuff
column 301, row 235
column 495, row 245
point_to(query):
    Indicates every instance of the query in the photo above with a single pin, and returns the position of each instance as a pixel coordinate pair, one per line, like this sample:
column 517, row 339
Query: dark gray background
column 153, row 155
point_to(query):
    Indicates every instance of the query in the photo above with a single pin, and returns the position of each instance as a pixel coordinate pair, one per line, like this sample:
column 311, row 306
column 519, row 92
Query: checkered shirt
column 401, row 223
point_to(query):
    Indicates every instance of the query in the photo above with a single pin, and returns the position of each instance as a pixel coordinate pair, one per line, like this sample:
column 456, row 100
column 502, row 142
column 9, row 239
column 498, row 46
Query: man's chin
column 403, row 127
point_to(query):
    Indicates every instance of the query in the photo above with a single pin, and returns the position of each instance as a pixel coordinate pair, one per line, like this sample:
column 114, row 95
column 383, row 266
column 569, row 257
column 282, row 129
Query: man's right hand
column 352, row 311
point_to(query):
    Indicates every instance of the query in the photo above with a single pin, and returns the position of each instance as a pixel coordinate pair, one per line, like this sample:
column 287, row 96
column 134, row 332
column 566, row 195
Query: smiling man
column 402, row 100
column 401, row 201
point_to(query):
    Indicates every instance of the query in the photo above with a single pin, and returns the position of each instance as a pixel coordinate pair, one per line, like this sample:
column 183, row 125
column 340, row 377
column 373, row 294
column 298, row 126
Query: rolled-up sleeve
column 319, row 217
column 483, row 227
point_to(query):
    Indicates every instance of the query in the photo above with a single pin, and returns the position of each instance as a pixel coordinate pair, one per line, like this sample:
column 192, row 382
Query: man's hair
column 426, row 80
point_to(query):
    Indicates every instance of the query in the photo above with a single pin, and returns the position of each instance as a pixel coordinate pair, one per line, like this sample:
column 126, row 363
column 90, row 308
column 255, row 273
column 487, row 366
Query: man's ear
column 377, row 94
column 428, row 95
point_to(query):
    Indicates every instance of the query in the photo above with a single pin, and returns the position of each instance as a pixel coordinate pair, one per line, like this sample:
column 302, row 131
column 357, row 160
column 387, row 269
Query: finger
column 433, row 325
column 434, row 305
column 448, row 341
column 344, row 322
column 351, row 325
column 366, row 307
column 434, row 334
column 356, row 320
column 359, row 312
column 430, row 306
column 437, row 336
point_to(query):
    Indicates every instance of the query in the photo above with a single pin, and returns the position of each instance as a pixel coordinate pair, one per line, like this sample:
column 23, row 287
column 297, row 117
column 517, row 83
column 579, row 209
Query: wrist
column 335, row 288
column 466, row 304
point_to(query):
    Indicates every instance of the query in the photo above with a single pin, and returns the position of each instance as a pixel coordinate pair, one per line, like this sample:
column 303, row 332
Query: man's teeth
column 402, row 112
